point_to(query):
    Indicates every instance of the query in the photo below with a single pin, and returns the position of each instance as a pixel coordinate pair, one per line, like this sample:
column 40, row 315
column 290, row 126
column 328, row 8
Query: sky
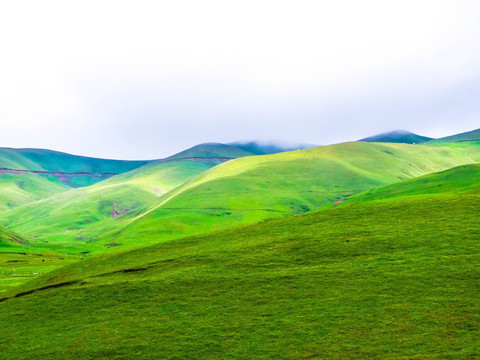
column 146, row 79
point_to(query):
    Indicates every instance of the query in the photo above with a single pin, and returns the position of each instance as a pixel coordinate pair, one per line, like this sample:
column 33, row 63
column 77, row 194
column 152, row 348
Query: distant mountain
column 71, row 169
column 211, row 150
column 473, row 135
column 270, row 147
column 397, row 136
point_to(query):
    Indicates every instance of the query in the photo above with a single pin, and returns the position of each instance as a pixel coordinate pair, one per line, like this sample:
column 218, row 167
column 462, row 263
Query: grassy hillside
column 57, row 161
column 156, row 202
column 82, row 219
column 91, row 170
column 10, row 239
column 211, row 150
column 473, row 135
column 371, row 280
column 397, row 136
column 16, row 190
column 13, row 159
column 459, row 180
column 249, row 190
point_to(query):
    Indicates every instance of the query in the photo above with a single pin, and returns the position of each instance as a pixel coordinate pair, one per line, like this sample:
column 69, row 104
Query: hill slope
column 373, row 280
column 125, row 211
column 74, row 170
column 473, row 135
column 397, row 136
column 458, row 180
column 16, row 190
column 9, row 239
column 80, row 219
column 252, row 189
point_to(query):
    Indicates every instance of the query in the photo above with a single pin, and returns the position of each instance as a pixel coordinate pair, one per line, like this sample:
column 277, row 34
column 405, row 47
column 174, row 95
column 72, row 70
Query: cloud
column 144, row 79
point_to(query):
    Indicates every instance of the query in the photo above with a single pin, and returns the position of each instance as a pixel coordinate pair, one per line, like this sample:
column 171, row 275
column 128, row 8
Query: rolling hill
column 75, row 171
column 473, row 135
column 397, row 136
column 79, row 171
column 10, row 239
column 16, row 190
column 458, row 180
column 385, row 279
column 126, row 211
column 253, row 189
column 75, row 220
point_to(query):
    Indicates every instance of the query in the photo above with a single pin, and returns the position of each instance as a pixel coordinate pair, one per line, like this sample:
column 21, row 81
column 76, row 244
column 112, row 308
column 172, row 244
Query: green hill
column 394, row 279
column 253, row 189
column 16, row 190
column 75, row 171
column 158, row 202
column 10, row 239
column 397, row 136
column 462, row 179
column 466, row 136
column 81, row 219
column 55, row 161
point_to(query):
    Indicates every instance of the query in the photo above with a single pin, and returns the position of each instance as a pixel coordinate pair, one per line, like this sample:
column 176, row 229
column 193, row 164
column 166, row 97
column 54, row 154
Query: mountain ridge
column 397, row 136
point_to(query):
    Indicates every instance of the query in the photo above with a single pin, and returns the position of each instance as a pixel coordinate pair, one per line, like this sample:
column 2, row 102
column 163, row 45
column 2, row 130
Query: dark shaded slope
column 397, row 136
column 211, row 150
column 73, row 170
column 265, row 147
column 473, row 135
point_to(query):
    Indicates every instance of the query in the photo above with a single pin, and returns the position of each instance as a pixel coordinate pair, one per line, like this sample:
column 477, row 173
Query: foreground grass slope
column 252, row 189
column 389, row 279
column 16, row 190
column 77, row 220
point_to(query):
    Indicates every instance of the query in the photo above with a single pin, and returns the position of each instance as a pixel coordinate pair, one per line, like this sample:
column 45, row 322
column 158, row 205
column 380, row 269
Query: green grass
column 373, row 280
column 20, row 262
column 10, row 240
column 20, row 266
column 16, row 190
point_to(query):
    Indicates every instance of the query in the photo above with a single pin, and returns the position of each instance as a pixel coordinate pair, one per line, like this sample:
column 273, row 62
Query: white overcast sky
column 145, row 79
